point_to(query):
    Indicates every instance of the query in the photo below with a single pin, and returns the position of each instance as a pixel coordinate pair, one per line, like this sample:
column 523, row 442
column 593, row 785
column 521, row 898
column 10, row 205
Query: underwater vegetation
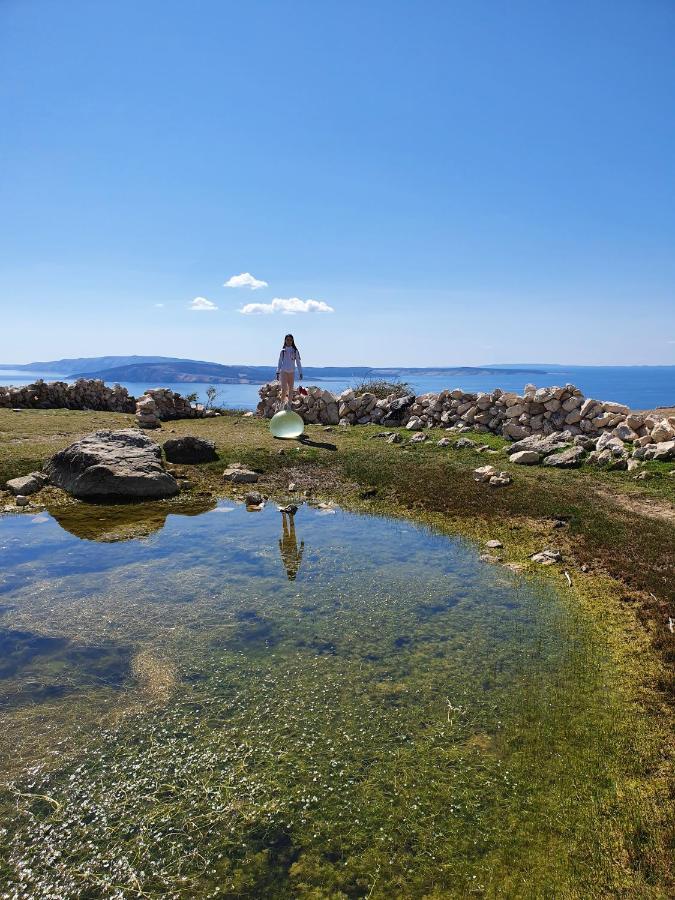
column 213, row 713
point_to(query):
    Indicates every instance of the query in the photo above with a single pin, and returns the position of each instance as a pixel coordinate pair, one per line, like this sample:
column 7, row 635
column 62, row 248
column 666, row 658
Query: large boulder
column 121, row 464
column 190, row 450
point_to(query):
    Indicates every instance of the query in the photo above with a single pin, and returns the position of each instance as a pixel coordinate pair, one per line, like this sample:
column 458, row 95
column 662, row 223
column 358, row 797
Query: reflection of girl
column 291, row 556
column 289, row 358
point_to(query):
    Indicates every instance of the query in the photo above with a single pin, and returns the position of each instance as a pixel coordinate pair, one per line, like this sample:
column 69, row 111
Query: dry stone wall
column 81, row 394
column 538, row 411
column 162, row 403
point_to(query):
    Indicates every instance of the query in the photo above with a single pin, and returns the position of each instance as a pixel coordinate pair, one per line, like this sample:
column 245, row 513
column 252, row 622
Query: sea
column 640, row 387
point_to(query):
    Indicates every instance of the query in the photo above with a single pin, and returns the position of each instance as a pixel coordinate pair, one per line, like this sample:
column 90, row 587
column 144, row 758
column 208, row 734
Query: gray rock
column 608, row 441
column 444, row 442
column 568, row 459
column 664, row 451
column 542, row 445
column 502, row 479
column 238, row 474
column 465, row 444
column 22, row 501
column 190, row 450
column 415, row 424
column 112, row 464
column 526, row 458
column 395, row 438
column 418, row 438
column 254, row 498
column 494, row 544
column 27, row 484
column 484, row 473
column 547, row 557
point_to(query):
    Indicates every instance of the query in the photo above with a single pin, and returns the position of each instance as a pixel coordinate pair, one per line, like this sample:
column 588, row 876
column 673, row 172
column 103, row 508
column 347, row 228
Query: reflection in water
column 109, row 523
column 291, row 555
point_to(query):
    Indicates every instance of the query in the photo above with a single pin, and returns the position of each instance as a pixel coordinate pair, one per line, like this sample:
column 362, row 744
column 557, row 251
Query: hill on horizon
column 169, row 369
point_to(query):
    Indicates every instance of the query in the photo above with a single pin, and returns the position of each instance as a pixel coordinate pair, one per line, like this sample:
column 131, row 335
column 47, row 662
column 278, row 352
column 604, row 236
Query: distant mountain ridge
column 168, row 369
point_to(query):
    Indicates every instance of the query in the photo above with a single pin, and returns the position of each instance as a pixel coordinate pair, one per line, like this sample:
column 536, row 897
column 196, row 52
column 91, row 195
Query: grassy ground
column 616, row 536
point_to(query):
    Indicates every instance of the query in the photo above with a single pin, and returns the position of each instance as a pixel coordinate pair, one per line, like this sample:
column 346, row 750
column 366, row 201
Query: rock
column 465, row 444
column 238, row 474
column 415, row 424
column 21, row 500
column 444, row 442
column 291, row 509
column 292, row 486
column 418, row 438
column 190, row 450
column 625, row 433
column 664, row 450
column 500, row 480
column 541, row 445
column 547, row 557
column 254, row 498
column 484, row 473
column 568, row 459
column 27, row 484
column 632, row 465
column 526, row 458
column 395, row 438
column 490, row 558
column 494, row 544
column 609, row 442
column 663, row 432
column 616, row 464
column 643, row 476
column 122, row 463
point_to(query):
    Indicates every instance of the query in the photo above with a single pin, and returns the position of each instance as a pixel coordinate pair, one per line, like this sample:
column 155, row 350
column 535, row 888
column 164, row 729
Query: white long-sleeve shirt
column 289, row 358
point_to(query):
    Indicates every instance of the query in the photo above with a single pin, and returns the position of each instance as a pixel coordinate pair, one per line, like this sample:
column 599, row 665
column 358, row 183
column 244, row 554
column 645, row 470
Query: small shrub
column 382, row 388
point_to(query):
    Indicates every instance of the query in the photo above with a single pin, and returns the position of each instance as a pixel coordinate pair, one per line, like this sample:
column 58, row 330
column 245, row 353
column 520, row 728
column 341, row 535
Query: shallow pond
column 333, row 705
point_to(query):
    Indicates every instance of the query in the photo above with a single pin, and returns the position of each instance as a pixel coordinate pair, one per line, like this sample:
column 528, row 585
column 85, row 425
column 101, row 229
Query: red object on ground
column 302, row 391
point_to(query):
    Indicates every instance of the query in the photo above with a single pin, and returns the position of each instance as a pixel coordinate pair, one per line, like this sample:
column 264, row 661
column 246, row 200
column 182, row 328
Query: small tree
column 211, row 394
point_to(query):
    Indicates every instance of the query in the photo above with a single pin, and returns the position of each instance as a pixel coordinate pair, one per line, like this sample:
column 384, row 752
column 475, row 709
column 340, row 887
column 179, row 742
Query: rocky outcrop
column 560, row 412
column 190, row 450
column 112, row 464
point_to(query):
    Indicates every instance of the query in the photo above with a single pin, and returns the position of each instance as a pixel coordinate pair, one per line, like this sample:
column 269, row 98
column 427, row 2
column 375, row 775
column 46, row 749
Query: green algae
column 398, row 720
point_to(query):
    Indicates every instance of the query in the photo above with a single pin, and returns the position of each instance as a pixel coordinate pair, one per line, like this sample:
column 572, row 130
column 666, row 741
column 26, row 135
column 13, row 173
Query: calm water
column 334, row 706
column 641, row 387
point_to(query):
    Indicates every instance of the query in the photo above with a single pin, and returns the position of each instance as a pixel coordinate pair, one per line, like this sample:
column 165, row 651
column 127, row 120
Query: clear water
column 332, row 705
column 640, row 387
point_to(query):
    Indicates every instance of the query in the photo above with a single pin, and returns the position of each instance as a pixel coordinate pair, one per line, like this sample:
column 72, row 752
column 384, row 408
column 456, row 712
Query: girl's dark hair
column 292, row 342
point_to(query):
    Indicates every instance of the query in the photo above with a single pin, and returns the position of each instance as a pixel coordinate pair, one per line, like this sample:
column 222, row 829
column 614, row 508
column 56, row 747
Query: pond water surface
column 242, row 703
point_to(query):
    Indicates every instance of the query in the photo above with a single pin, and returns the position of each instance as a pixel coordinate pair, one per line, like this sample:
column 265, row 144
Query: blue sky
column 459, row 182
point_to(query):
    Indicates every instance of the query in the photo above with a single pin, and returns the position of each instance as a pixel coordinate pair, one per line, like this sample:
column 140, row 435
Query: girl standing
column 289, row 358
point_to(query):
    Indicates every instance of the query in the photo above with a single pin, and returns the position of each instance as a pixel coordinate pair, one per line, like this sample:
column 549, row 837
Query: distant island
column 159, row 369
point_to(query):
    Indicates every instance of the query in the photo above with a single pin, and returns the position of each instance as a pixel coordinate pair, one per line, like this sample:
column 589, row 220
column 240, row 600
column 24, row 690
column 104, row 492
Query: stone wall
column 82, row 394
column 96, row 395
column 540, row 411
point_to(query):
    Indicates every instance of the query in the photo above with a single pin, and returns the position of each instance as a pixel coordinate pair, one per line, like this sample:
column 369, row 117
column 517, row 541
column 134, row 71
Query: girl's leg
column 287, row 379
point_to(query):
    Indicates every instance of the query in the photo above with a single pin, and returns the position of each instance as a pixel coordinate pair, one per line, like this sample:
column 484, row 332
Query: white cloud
column 245, row 280
column 201, row 304
column 288, row 307
column 159, row 306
